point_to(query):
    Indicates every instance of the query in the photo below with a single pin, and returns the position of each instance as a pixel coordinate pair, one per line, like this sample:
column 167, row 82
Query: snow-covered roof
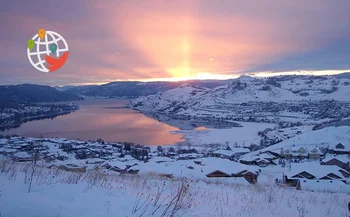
column 324, row 185
column 94, row 161
column 315, row 150
column 115, row 163
column 79, row 146
column 161, row 159
column 341, row 158
column 22, row 154
column 230, row 167
column 315, row 169
column 8, row 150
column 333, row 146
column 3, row 141
column 231, row 152
column 266, row 155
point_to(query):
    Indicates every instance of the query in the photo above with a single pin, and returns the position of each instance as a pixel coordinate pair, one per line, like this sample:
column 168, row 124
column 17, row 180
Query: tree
column 127, row 147
column 160, row 148
column 179, row 146
column 189, row 145
column 227, row 147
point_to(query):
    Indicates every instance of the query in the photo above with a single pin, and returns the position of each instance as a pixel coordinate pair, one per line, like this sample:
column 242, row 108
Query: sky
column 148, row 40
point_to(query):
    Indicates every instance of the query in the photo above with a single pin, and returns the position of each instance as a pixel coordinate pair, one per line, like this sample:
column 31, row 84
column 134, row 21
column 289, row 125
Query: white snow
column 111, row 196
column 243, row 136
column 324, row 185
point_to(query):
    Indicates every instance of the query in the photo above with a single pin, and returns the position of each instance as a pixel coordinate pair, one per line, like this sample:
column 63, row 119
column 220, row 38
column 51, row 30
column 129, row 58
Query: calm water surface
column 102, row 118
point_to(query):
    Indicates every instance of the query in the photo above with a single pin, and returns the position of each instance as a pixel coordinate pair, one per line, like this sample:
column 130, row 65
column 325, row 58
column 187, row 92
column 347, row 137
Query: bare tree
column 179, row 146
column 34, row 162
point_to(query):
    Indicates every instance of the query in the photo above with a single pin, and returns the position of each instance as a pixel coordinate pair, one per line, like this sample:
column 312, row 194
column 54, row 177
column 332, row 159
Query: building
column 301, row 152
column 256, row 160
column 230, row 154
column 250, row 176
column 314, row 171
column 218, row 174
column 73, row 168
column 339, row 149
column 22, row 157
column 315, row 153
column 341, row 161
column 223, row 168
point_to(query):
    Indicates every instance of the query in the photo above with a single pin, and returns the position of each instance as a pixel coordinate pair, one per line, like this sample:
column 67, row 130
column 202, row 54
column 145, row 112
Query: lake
column 108, row 119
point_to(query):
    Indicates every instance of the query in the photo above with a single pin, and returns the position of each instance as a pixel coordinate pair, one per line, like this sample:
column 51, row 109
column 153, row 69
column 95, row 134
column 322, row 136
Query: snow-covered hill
column 301, row 97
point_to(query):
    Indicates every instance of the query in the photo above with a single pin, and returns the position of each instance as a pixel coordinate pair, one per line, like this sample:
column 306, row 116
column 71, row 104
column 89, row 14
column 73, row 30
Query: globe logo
column 47, row 51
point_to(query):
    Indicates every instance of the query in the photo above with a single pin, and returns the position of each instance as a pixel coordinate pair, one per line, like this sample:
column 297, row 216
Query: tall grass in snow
column 157, row 196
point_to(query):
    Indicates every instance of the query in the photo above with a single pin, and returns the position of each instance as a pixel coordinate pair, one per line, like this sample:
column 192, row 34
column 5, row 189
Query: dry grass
column 160, row 196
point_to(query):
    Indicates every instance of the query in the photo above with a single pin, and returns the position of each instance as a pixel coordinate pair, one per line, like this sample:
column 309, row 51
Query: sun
column 180, row 72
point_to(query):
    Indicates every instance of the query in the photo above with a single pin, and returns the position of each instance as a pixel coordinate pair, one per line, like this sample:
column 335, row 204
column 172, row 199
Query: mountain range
column 134, row 89
column 12, row 95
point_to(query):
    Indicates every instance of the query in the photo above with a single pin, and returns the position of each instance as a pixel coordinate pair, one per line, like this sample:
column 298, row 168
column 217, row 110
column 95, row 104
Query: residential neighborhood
column 295, row 166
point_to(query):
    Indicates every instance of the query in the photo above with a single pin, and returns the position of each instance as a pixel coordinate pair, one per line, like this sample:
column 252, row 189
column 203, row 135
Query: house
column 323, row 185
column 250, row 176
column 7, row 151
column 300, row 152
column 217, row 174
column 262, row 162
column 275, row 153
column 158, row 159
column 341, row 161
column 268, row 155
column 95, row 161
column 223, row 168
column 198, row 162
column 132, row 169
column 73, row 168
column 314, row 171
column 249, row 160
column 22, row 157
column 230, row 154
column 256, row 160
column 294, row 152
column 115, row 166
column 339, row 149
column 189, row 156
column 315, row 153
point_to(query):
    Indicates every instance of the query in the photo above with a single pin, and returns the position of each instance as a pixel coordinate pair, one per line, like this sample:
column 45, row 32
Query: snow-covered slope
column 327, row 137
column 181, row 98
column 245, row 89
column 259, row 93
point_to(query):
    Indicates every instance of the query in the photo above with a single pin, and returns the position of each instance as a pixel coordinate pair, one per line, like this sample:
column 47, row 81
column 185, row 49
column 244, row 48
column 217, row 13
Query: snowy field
column 243, row 136
column 65, row 194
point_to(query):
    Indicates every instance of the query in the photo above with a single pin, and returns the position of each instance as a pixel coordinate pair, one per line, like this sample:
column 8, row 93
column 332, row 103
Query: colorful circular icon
column 47, row 51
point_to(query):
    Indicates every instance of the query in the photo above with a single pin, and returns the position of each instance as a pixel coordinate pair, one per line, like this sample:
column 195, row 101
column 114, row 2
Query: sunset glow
column 180, row 40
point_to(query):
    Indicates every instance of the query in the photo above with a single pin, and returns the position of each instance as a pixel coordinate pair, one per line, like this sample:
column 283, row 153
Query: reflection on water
column 201, row 128
column 102, row 118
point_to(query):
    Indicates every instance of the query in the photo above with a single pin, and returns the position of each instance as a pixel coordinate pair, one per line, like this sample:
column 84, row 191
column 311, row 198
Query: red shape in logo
column 56, row 63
